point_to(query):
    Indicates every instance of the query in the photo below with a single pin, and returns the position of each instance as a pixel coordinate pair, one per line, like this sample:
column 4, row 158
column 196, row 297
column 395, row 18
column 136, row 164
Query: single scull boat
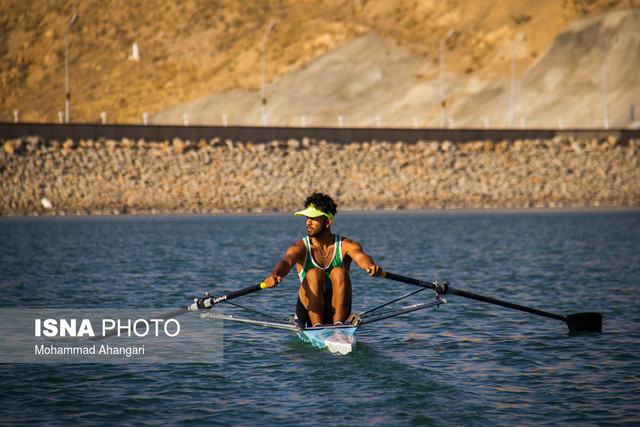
column 338, row 338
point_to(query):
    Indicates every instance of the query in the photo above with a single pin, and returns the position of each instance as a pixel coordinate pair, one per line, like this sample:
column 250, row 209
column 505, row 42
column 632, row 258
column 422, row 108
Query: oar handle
column 209, row 302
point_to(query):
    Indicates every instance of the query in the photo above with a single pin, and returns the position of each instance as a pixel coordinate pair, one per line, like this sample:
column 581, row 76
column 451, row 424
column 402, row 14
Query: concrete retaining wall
column 107, row 176
column 63, row 132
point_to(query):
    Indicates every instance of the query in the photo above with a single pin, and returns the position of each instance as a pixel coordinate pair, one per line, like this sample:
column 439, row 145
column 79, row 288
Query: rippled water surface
column 466, row 363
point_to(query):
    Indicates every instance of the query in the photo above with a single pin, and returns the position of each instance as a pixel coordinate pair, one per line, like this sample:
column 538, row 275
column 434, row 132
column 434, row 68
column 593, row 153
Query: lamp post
column 264, row 61
column 66, row 66
column 605, row 80
column 513, row 80
column 442, row 94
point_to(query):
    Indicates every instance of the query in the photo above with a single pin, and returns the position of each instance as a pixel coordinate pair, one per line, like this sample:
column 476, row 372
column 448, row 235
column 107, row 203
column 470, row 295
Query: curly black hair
column 322, row 202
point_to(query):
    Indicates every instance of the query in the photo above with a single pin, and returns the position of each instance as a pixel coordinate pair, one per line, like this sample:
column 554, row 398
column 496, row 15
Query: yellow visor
column 312, row 212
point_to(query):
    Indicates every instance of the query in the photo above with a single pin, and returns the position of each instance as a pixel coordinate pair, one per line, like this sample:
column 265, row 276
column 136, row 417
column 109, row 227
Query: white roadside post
column 263, row 107
column 66, row 67
column 605, row 79
column 512, row 102
column 443, row 114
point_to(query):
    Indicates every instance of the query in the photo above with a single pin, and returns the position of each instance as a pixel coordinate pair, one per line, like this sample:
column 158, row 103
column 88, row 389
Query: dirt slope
column 358, row 80
column 565, row 86
column 192, row 49
column 372, row 82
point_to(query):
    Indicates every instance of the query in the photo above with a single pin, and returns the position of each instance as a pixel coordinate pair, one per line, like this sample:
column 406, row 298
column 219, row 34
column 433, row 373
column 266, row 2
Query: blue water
column 466, row 363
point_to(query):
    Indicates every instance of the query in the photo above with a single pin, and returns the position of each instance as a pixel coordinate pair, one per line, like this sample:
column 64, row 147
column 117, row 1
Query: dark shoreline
column 342, row 213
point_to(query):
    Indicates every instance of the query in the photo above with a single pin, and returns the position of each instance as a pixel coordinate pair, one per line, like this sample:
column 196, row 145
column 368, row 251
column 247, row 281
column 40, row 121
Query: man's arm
column 291, row 257
column 364, row 261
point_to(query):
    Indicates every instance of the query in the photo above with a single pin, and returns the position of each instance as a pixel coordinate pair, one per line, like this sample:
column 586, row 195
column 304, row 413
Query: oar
column 209, row 301
column 202, row 303
column 578, row 322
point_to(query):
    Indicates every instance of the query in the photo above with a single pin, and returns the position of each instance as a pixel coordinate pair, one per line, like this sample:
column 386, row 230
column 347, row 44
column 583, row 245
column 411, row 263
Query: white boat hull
column 336, row 339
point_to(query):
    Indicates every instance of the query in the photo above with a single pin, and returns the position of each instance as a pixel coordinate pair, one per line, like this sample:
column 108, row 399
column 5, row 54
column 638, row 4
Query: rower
column 322, row 260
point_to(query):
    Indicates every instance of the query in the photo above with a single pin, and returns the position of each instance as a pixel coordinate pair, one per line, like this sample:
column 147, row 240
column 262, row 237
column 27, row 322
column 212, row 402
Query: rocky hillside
column 191, row 49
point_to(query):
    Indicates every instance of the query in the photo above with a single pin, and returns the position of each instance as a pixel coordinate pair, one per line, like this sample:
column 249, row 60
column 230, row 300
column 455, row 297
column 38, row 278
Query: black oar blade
column 585, row 322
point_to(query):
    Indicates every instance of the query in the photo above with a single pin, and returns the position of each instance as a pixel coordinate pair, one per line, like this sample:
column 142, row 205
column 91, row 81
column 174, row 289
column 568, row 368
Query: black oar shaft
column 245, row 291
column 579, row 322
column 409, row 280
column 211, row 301
column 471, row 295
column 506, row 304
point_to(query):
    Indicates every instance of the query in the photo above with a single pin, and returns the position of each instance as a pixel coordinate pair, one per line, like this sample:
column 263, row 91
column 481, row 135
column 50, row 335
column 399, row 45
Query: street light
column 442, row 95
column 513, row 79
column 605, row 78
column 66, row 66
column 264, row 55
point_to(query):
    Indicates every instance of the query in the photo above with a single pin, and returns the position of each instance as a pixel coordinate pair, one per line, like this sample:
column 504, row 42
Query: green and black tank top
column 310, row 263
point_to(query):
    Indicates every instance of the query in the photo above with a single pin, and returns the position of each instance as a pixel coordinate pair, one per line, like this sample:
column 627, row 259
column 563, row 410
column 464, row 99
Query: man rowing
column 322, row 260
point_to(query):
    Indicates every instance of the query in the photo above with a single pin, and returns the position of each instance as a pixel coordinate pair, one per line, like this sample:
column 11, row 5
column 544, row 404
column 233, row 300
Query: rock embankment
column 141, row 177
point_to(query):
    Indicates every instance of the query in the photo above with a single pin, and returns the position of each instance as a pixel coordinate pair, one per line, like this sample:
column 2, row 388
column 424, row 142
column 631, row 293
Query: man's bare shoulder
column 297, row 249
column 299, row 243
column 347, row 243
